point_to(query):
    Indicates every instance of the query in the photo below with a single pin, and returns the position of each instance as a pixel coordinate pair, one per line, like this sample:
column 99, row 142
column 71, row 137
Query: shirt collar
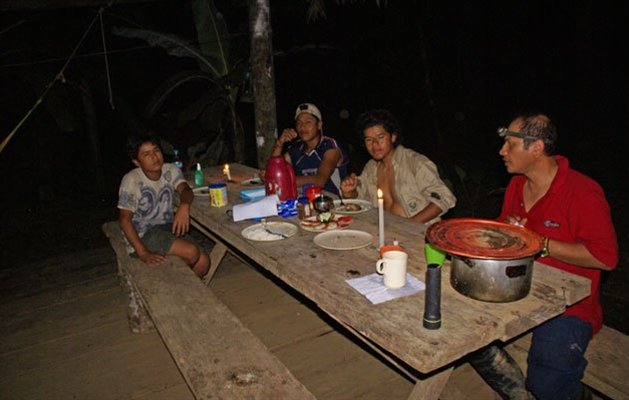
column 302, row 147
column 397, row 154
column 563, row 164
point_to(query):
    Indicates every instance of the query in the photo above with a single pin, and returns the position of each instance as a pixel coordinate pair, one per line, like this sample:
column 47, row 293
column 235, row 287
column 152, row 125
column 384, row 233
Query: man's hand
column 349, row 185
column 286, row 136
column 515, row 220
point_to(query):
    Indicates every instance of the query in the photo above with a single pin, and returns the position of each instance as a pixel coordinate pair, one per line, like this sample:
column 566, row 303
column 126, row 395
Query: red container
column 312, row 192
column 280, row 179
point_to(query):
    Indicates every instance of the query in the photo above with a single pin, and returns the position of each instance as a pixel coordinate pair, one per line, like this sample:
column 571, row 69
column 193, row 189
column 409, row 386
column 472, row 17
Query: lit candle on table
column 380, row 219
column 226, row 172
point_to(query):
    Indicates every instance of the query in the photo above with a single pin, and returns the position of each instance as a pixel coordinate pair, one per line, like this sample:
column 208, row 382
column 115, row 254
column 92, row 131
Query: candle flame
column 379, row 193
column 226, row 167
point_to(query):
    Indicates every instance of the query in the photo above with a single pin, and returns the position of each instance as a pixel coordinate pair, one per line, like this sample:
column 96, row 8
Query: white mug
column 393, row 266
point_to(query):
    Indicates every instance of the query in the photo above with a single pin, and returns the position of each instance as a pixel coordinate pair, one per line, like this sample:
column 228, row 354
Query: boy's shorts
column 159, row 238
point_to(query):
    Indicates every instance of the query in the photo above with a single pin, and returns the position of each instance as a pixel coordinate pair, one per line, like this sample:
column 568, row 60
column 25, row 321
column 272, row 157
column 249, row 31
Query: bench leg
column 139, row 319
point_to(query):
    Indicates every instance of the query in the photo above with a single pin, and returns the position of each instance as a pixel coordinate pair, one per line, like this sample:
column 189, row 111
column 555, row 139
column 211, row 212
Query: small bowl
column 323, row 203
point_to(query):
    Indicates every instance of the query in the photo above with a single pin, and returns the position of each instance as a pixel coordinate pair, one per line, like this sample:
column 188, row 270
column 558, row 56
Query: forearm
column 186, row 196
column 574, row 253
column 132, row 236
column 431, row 211
column 314, row 179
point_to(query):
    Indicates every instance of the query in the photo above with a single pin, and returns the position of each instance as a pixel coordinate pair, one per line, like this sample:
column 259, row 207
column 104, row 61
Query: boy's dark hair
column 135, row 142
column 378, row 117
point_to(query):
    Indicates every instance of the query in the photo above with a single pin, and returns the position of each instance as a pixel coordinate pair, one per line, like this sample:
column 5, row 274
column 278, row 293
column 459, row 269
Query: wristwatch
column 545, row 251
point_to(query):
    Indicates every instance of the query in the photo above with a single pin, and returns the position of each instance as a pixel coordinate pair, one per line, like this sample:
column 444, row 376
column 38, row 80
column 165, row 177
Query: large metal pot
column 497, row 281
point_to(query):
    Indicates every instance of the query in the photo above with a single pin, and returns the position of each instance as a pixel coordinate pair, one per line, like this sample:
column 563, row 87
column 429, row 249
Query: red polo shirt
column 573, row 210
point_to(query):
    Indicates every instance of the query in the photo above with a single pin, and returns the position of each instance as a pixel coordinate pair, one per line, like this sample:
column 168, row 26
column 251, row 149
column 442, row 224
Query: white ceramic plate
column 343, row 240
column 259, row 233
column 363, row 204
column 201, row 191
column 312, row 224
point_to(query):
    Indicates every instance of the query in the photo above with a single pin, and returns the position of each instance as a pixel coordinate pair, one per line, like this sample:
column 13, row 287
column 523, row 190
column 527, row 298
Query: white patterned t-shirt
column 151, row 202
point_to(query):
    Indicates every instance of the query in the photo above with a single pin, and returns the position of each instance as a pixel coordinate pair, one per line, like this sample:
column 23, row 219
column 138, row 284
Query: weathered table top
column 395, row 325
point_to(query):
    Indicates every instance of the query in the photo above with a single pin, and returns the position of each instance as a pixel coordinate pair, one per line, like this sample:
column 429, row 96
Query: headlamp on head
column 503, row 132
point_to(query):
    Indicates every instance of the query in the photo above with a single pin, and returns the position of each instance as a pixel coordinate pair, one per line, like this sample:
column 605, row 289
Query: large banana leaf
column 212, row 33
column 173, row 45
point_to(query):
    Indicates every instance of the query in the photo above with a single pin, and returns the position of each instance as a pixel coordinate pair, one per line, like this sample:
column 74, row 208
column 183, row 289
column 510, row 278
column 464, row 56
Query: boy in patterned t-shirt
column 145, row 201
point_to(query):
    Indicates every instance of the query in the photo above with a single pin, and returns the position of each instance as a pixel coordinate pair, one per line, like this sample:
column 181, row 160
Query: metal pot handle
column 514, row 271
column 511, row 271
column 468, row 261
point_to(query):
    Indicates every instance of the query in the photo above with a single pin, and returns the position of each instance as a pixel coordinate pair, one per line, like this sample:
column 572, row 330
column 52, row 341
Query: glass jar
column 303, row 208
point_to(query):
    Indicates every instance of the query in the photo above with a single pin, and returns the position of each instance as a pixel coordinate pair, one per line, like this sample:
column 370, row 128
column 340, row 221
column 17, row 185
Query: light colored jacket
column 417, row 183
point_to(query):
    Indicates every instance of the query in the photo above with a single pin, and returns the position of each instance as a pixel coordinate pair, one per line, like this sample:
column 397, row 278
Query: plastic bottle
column 177, row 161
column 199, row 179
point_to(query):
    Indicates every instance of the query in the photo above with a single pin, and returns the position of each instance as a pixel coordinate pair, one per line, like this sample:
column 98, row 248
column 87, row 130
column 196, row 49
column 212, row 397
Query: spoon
column 341, row 198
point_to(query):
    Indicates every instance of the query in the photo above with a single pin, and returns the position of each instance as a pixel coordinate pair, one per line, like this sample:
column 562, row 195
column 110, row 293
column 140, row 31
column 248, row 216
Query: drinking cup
column 393, row 266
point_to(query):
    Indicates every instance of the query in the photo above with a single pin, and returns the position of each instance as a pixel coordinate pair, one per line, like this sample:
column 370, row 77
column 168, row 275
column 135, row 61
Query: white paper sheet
column 372, row 287
column 264, row 207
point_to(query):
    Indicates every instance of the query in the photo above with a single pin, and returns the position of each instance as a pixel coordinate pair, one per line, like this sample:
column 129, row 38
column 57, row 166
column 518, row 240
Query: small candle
column 380, row 219
column 226, row 172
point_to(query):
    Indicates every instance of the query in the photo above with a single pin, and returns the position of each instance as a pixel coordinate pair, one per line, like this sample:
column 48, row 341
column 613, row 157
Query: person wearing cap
column 569, row 210
column 409, row 181
column 316, row 158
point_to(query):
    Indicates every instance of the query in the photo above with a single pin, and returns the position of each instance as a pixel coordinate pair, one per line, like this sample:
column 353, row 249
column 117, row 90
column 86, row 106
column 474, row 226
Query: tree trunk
column 263, row 78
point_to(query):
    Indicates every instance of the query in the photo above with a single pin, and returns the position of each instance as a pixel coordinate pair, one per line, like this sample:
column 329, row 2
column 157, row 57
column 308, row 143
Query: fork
column 275, row 233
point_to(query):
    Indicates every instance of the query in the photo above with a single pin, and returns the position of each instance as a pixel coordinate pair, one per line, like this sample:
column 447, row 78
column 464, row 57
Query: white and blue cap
column 308, row 108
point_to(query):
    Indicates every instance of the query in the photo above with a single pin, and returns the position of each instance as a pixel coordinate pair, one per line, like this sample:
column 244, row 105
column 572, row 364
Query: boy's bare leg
column 192, row 254
column 202, row 266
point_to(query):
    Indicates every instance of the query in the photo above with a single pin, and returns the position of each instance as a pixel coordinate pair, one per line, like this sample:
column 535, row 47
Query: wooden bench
column 218, row 357
column 607, row 371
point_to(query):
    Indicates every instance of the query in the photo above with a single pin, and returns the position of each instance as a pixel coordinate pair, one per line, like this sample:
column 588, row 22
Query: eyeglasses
column 502, row 132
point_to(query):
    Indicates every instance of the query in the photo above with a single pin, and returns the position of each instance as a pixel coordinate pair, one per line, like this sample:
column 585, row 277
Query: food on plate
column 325, row 217
column 333, row 222
column 261, row 234
column 318, row 225
column 353, row 207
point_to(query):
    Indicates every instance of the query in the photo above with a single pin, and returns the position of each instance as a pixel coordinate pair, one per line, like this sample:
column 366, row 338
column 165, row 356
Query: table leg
column 431, row 387
column 216, row 256
column 218, row 251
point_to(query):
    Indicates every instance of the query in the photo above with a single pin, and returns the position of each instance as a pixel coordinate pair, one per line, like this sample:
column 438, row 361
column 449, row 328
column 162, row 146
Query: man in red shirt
column 570, row 211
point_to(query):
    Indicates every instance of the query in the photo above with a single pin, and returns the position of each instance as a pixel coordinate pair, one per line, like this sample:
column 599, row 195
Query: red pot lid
column 485, row 239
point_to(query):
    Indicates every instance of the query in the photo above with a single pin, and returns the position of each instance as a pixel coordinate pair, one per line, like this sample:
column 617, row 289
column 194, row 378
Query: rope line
column 102, row 33
column 59, row 76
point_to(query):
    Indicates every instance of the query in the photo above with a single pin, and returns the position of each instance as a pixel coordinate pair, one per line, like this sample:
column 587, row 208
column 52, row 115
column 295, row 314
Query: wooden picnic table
column 393, row 328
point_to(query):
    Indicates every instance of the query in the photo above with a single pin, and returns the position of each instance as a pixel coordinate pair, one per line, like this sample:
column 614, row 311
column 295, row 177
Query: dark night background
column 481, row 63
